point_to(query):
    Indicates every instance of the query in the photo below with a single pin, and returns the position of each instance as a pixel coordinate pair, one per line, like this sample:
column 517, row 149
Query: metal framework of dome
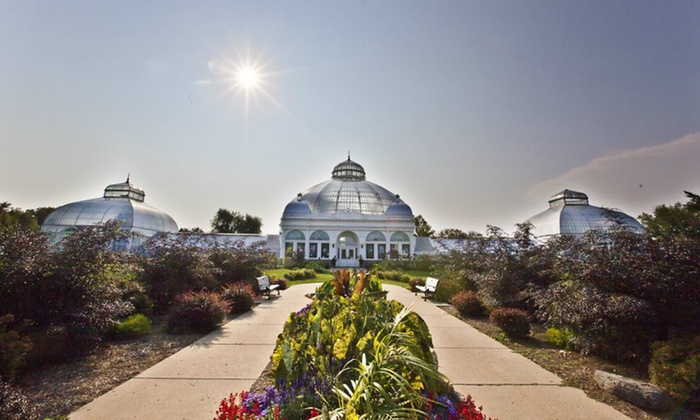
column 570, row 214
column 347, row 191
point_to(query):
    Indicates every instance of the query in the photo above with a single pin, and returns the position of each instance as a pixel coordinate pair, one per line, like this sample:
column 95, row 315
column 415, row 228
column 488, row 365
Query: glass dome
column 121, row 202
column 348, row 191
column 570, row 214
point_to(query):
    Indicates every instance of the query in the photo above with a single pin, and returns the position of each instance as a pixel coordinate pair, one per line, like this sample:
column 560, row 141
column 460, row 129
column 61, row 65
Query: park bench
column 429, row 288
column 265, row 287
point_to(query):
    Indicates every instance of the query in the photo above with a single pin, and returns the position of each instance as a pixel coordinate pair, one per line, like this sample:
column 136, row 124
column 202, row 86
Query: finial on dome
column 128, row 176
column 348, row 155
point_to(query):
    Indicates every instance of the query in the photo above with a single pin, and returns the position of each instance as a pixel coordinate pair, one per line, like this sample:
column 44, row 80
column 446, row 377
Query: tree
column 678, row 219
column 452, row 233
column 226, row 221
column 14, row 216
column 193, row 230
column 422, row 227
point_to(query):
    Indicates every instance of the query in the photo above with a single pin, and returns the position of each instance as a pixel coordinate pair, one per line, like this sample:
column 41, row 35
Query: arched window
column 295, row 243
column 296, row 235
column 319, row 245
column 400, row 237
column 319, row 235
column 376, row 245
column 376, row 236
column 400, row 245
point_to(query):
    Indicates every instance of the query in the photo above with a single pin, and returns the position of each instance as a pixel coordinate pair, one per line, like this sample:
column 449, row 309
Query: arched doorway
column 347, row 250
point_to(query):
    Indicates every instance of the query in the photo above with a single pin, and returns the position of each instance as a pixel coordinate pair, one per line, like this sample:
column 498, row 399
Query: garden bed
column 575, row 369
column 59, row 389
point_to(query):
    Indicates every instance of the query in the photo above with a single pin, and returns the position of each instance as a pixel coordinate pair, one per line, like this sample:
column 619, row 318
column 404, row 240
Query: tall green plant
column 390, row 379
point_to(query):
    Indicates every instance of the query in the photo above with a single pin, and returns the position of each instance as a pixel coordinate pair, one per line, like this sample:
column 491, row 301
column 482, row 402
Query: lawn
column 278, row 273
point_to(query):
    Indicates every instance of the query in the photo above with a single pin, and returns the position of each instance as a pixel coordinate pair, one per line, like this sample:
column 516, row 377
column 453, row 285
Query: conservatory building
column 122, row 202
column 570, row 214
column 346, row 220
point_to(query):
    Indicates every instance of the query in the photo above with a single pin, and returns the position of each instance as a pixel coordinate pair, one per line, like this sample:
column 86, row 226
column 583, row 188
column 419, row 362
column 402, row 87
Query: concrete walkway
column 191, row 383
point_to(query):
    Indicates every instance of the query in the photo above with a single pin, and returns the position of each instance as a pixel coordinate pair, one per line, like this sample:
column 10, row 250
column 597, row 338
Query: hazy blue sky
column 474, row 112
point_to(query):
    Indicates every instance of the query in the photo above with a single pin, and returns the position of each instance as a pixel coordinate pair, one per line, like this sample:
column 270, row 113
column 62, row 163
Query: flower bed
column 348, row 355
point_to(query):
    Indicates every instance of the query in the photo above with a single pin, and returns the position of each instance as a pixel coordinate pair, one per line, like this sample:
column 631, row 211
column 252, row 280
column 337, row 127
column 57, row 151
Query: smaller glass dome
column 570, row 214
column 122, row 202
column 296, row 207
column 399, row 208
column 349, row 171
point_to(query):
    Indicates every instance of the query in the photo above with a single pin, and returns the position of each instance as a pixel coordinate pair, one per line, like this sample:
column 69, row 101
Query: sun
column 247, row 77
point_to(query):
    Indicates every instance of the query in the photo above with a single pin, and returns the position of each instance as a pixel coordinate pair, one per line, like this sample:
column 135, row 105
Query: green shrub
column 14, row 405
column 64, row 290
column 283, row 283
column 300, row 274
column 318, row 266
column 514, row 322
column 175, row 267
column 423, row 262
column 200, row 312
column 562, row 338
column 240, row 297
column 134, row 326
column 416, row 281
column 675, row 367
column 619, row 327
column 13, row 347
column 394, row 275
column 447, row 288
column 468, row 303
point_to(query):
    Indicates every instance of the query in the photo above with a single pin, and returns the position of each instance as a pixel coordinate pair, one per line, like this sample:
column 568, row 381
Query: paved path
column 191, row 383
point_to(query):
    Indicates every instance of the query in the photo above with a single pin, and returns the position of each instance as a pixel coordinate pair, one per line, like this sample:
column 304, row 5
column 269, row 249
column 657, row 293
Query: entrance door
column 347, row 250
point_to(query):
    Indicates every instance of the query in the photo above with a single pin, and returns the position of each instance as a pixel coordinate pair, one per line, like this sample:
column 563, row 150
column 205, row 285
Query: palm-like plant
column 390, row 379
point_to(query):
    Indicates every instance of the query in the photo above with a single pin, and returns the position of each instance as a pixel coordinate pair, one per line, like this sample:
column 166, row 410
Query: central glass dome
column 347, row 191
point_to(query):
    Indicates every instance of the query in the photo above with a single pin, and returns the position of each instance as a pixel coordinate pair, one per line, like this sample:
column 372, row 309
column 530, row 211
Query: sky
column 475, row 112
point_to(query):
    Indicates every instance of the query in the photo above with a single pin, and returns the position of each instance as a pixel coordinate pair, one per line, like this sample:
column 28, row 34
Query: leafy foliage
column 447, row 288
column 514, row 322
column 200, row 312
column 352, row 357
column 174, row 267
column 422, row 226
column 226, row 221
column 615, row 326
column 395, row 275
column 134, row 326
column 74, row 277
column 237, row 261
column 240, row 297
column 468, row 303
column 13, row 347
column 336, row 329
column 300, row 274
column 675, row 367
column 562, row 338
column 29, row 219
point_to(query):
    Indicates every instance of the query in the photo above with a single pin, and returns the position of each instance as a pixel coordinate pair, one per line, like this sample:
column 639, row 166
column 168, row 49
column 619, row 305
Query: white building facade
column 347, row 220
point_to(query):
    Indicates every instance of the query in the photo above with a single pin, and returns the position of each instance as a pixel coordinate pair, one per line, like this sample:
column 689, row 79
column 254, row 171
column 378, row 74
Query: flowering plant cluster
column 352, row 357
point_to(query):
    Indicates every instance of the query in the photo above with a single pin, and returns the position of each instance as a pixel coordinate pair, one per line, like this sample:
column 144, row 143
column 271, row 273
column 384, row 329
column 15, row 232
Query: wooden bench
column 265, row 287
column 429, row 289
